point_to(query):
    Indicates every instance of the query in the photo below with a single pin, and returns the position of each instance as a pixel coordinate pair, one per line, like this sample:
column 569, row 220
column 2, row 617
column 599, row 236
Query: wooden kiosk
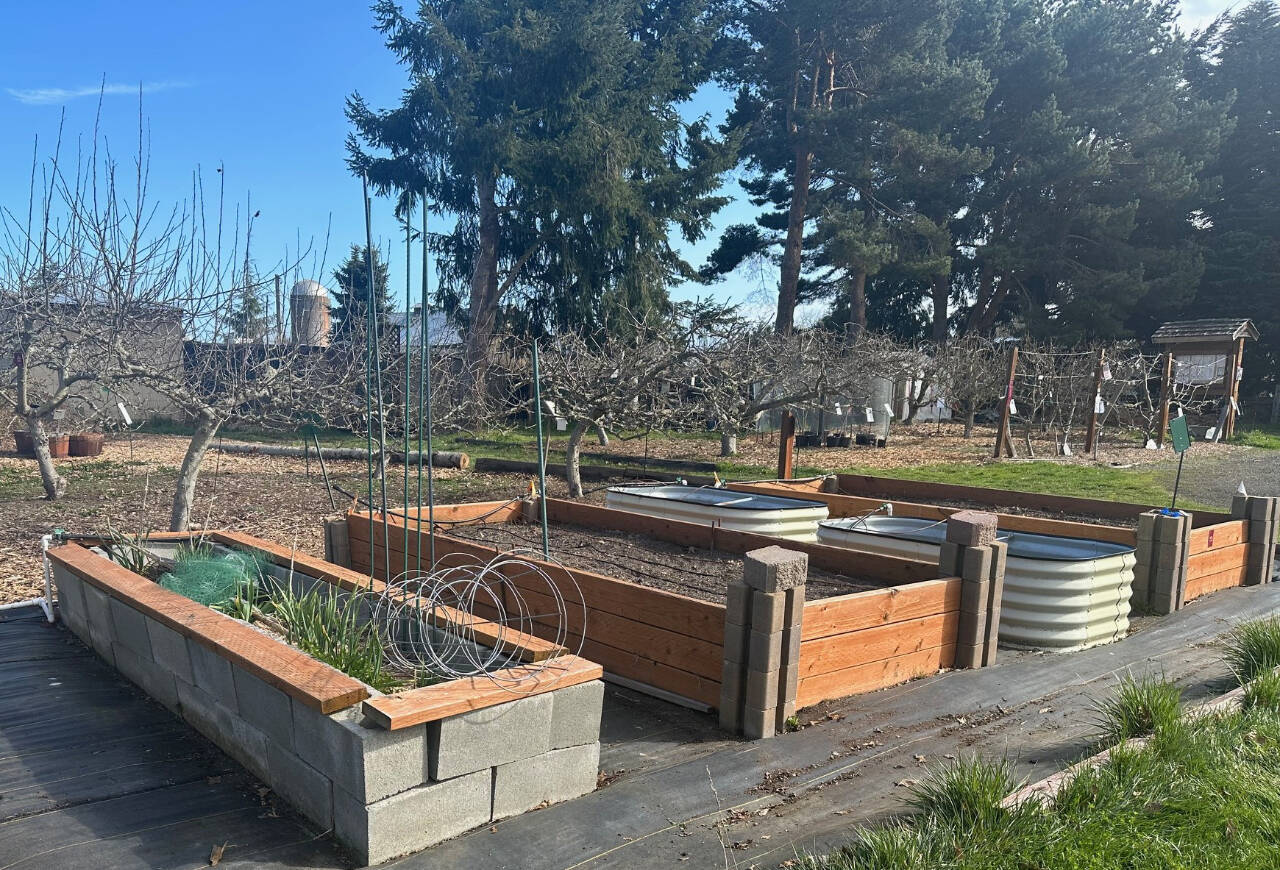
column 1206, row 352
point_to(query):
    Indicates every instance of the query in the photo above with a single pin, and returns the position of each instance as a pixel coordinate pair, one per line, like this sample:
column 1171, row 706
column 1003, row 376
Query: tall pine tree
column 352, row 294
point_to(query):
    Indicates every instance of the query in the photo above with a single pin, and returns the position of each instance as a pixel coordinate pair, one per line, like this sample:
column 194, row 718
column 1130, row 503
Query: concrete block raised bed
column 387, row 774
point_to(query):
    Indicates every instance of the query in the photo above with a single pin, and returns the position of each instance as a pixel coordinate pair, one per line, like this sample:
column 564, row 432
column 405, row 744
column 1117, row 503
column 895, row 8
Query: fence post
column 787, row 446
column 1160, row 576
column 1263, row 517
column 1166, row 388
column 337, row 543
column 1091, row 435
column 763, row 617
column 972, row 552
column 1003, row 441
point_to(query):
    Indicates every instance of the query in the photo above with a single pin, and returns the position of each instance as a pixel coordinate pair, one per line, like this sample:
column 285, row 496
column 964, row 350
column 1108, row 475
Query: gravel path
column 1214, row 478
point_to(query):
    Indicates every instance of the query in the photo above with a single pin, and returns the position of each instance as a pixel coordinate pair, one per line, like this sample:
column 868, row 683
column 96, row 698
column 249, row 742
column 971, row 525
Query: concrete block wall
column 1160, row 575
column 972, row 553
column 763, row 616
column 382, row 793
column 1263, row 516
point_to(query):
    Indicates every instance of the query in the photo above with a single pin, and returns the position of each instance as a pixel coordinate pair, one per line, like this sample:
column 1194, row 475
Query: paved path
column 93, row 775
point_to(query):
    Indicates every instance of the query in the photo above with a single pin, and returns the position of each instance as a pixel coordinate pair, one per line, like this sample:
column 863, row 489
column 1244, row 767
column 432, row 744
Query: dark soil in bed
column 1032, row 512
column 698, row 573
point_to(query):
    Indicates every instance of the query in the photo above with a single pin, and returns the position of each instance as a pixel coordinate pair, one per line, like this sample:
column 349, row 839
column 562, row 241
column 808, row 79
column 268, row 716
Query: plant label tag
column 124, row 414
column 1106, row 371
column 1099, row 406
column 1013, row 407
column 838, row 411
column 1180, row 433
column 888, row 409
column 561, row 424
column 871, row 416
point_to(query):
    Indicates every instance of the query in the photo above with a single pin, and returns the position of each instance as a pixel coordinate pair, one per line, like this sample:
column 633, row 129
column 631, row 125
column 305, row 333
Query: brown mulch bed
column 698, row 573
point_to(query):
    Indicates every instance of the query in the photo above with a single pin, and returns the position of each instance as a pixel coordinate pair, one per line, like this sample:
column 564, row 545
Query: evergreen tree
column 352, row 279
column 249, row 318
column 550, row 129
column 1238, row 63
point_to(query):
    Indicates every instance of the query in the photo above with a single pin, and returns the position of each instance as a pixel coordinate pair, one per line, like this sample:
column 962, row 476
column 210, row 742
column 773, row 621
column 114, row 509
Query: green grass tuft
column 1263, row 692
column 1254, row 648
column 1139, row 708
column 966, row 793
column 1265, row 437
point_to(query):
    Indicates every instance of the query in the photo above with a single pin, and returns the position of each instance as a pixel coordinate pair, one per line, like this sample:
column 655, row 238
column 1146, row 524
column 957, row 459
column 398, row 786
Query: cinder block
column 759, row 724
column 486, row 738
column 775, row 569
column 737, row 609
column 1261, row 508
column 976, row 563
column 369, row 763
column 1261, row 534
column 101, row 632
column 264, row 707
column 785, row 712
column 1170, row 528
column 969, row 655
column 733, row 682
column 306, row 788
column 157, row 682
column 788, row 684
column 831, row 484
column 971, row 528
column 1169, row 554
column 129, row 628
column 225, row 729
column 730, row 714
column 555, row 776
column 768, row 611
column 413, row 819
column 575, row 715
column 949, row 559
column 762, row 690
column 1147, row 526
column 70, row 589
column 972, row 628
column 975, row 595
column 211, row 673
column 794, row 616
column 169, row 649
column 737, row 642
column 766, row 651
column 1163, row 603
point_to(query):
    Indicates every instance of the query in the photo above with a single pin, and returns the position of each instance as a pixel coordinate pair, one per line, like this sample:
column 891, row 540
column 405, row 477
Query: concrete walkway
column 93, row 775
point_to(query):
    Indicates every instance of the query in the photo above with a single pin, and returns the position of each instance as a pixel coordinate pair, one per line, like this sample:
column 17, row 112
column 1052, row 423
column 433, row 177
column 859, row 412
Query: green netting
column 210, row 579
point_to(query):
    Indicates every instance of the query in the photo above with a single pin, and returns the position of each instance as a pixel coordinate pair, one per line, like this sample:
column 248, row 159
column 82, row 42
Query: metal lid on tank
column 1022, row 545
column 307, row 287
column 720, row 498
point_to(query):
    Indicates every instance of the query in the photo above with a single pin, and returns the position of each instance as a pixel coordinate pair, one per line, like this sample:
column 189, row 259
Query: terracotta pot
column 22, row 441
column 59, row 446
column 86, row 444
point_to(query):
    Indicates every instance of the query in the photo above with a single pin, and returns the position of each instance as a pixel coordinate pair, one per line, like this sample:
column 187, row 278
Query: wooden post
column 1166, row 387
column 1002, row 436
column 1091, row 435
column 1233, row 394
column 787, row 446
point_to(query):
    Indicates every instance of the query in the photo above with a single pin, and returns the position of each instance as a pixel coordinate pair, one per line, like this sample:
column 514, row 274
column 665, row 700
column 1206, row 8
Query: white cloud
column 48, row 96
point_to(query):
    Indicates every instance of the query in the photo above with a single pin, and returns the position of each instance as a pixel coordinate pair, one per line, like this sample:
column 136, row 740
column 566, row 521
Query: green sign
column 1181, row 434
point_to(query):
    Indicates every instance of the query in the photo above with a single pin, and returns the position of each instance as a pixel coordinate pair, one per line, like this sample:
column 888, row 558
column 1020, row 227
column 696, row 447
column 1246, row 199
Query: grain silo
column 309, row 313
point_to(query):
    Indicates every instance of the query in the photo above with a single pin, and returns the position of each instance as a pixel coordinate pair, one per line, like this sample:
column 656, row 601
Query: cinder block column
column 337, row 544
column 831, row 484
column 763, row 614
column 972, row 552
column 1160, row 576
column 1263, row 517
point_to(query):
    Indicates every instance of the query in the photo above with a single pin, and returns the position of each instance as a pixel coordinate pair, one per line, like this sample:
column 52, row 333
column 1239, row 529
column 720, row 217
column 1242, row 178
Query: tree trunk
column 728, row 444
column 55, row 486
column 788, row 285
column 941, row 288
column 189, row 473
column 969, row 421
column 573, row 456
column 858, row 304
column 602, row 437
column 484, row 280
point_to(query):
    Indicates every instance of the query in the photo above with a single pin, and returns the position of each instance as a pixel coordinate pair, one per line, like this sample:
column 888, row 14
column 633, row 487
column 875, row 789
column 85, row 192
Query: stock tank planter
column 386, row 774
column 1060, row 594
column 85, row 444
column 792, row 518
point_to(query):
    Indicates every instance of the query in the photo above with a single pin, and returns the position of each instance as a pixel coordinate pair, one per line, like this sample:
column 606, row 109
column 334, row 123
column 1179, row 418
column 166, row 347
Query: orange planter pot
column 59, row 446
column 86, row 444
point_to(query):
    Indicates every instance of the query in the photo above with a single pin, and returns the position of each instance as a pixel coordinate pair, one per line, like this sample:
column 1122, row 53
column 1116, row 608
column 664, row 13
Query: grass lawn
column 1265, row 436
column 1138, row 485
column 1203, row 792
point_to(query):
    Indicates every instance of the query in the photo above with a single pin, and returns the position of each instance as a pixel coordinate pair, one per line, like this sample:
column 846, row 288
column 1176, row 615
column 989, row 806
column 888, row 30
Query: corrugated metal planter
column 1060, row 594
column 793, row 518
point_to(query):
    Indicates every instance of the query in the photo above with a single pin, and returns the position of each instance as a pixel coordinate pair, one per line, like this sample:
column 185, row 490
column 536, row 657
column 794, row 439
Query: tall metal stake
column 371, row 315
column 542, row 456
column 368, row 370
column 407, row 350
column 424, row 412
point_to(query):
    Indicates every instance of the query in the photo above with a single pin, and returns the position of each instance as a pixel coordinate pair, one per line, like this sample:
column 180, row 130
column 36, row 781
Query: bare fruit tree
column 746, row 369
column 56, row 324
column 970, row 375
column 635, row 377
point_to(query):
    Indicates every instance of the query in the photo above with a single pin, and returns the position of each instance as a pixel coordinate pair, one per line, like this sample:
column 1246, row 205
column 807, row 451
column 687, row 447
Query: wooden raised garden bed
column 653, row 591
column 387, row 774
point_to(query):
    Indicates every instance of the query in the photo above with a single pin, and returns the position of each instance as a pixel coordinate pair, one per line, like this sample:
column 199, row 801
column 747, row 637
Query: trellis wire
column 427, row 622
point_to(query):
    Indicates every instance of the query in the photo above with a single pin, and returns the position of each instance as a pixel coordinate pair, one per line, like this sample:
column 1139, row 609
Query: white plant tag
column 1099, row 406
column 888, row 409
column 871, row 417
column 1013, row 407
column 561, row 424
column 124, row 414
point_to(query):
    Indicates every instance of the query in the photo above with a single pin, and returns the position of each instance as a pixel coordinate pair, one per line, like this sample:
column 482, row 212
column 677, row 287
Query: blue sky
column 256, row 87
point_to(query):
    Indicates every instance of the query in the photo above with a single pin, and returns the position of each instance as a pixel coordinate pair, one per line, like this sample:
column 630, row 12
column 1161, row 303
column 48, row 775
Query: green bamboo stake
column 424, row 403
column 408, row 368
column 542, row 456
column 368, row 366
